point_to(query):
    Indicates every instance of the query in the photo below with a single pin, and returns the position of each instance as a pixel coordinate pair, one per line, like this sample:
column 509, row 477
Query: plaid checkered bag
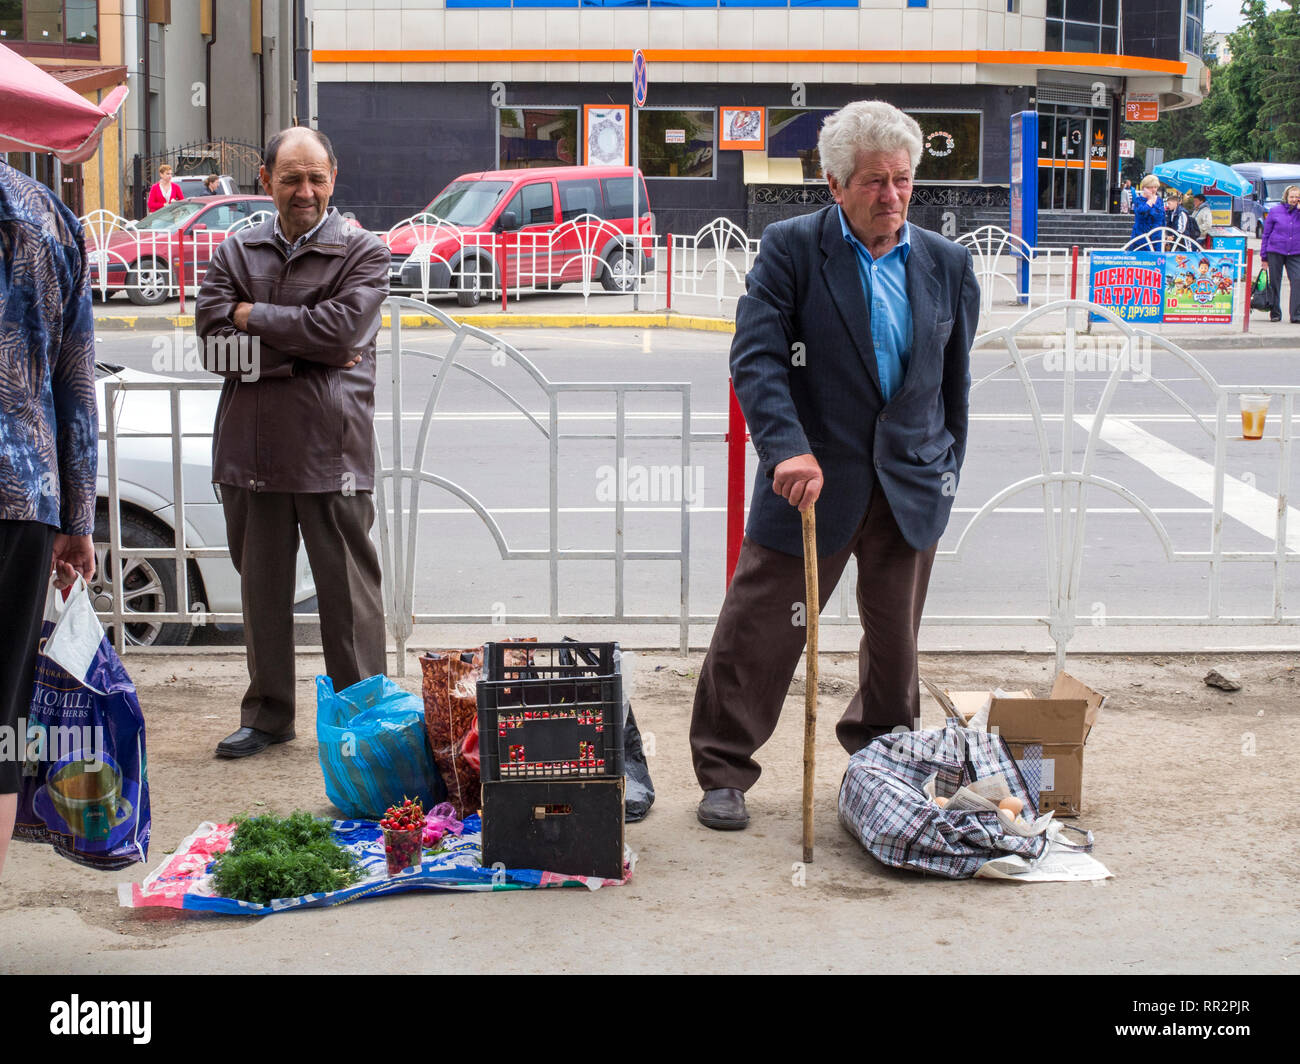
column 883, row 806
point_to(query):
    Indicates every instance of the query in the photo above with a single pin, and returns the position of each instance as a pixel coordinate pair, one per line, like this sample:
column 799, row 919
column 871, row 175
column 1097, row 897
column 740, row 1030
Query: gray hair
column 866, row 125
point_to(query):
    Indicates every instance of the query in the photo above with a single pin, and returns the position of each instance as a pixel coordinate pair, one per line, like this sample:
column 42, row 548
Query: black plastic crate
column 573, row 827
column 550, row 711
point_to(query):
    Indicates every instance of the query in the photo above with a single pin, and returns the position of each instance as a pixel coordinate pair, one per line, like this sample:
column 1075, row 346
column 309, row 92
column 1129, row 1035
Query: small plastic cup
column 403, row 849
column 1254, row 412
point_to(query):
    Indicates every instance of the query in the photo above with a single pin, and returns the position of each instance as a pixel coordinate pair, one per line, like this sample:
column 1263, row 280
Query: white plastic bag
column 77, row 631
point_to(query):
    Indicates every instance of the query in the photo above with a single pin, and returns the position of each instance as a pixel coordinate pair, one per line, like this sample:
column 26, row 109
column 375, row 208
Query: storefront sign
column 1199, row 287
column 1142, row 107
column 1128, row 283
column 1127, row 148
column 674, row 136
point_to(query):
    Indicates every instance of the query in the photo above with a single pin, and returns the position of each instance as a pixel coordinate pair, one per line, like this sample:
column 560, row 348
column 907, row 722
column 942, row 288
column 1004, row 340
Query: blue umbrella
column 1193, row 175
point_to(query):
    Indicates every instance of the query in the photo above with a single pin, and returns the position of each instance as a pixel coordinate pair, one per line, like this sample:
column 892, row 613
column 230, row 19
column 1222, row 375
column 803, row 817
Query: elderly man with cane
column 851, row 363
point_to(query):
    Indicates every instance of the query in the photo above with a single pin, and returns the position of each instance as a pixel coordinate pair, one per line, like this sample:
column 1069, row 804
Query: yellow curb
column 643, row 320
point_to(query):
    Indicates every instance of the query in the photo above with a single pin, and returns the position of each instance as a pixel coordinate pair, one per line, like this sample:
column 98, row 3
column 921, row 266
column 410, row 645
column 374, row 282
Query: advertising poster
column 1199, row 288
column 1129, row 283
column 1221, row 205
column 606, row 138
column 743, row 129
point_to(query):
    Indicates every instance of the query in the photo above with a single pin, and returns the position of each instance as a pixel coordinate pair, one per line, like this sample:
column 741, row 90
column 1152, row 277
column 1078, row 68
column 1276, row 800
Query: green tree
column 1280, row 83
column 1252, row 111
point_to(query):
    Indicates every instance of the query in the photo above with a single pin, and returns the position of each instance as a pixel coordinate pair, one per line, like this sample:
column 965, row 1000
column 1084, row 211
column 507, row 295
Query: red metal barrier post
column 1074, row 272
column 180, row 265
column 1250, row 288
column 505, row 258
column 737, row 438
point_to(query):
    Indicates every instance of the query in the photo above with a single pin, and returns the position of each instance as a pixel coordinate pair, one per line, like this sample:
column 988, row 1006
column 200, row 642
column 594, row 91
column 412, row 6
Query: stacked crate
column 550, row 720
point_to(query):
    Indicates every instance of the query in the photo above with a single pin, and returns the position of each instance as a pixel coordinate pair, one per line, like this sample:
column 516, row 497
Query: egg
column 941, row 802
column 1012, row 805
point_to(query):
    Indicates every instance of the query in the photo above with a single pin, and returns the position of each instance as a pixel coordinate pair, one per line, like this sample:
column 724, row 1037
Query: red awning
column 40, row 113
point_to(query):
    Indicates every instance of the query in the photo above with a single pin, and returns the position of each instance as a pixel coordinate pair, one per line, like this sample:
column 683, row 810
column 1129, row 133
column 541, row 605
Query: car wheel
column 469, row 294
column 619, row 275
column 148, row 284
column 148, row 583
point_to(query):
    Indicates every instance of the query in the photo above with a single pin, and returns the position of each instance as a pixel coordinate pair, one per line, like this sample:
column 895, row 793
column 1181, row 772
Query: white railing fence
column 1075, row 470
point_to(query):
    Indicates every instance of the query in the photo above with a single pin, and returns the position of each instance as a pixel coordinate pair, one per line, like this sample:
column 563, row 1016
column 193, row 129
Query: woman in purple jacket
column 1281, row 248
column 1148, row 211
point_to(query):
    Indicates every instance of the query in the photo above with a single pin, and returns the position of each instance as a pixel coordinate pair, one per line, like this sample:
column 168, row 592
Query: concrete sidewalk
column 1180, row 782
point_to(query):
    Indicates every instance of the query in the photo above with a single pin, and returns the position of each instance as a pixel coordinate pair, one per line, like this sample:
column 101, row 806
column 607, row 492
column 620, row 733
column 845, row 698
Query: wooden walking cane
column 812, row 610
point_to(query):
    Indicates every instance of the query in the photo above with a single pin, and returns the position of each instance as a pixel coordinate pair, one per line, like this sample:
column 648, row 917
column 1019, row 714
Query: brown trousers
column 751, row 660
column 262, row 529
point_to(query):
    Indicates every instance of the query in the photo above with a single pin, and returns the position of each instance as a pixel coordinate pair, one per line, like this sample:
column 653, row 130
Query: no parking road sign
column 640, row 80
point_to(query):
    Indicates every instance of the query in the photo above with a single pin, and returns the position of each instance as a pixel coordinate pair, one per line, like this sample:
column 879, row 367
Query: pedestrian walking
column 49, row 432
column 851, row 361
column 1126, row 197
column 293, row 449
column 1176, row 219
column 1203, row 216
column 1280, row 248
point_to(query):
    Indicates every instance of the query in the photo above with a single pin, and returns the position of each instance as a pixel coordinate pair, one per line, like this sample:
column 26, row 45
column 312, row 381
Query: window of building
column 1083, row 26
column 676, row 143
column 951, row 150
column 951, row 145
column 54, row 22
column 537, row 136
column 663, row 3
column 792, row 134
column 1194, row 25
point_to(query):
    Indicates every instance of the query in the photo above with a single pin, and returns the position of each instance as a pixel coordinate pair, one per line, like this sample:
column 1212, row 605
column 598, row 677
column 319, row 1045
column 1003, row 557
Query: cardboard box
column 1058, row 725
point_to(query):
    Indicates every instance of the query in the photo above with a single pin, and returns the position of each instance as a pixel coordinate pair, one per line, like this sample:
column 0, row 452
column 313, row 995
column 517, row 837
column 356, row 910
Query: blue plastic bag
column 372, row 747
column 85, row 780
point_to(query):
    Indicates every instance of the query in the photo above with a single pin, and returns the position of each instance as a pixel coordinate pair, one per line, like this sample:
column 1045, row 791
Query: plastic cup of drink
column 1254, row 411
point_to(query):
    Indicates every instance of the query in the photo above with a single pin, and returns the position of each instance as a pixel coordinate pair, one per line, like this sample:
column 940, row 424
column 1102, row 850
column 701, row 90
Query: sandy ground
column 1187, row 790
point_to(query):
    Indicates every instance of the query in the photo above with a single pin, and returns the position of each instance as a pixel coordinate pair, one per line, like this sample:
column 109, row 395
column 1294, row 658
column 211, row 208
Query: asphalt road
column 495, row 454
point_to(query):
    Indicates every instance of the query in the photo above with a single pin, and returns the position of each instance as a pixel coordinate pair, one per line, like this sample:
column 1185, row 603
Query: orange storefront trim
column 750, row 55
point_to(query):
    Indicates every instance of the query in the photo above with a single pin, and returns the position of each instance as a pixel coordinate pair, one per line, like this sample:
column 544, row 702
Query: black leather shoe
column 248, row 741
column 723, row 809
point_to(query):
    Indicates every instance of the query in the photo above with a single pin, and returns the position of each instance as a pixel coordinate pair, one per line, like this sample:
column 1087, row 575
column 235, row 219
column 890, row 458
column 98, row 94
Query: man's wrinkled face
column 875, row 198
column 301, row 184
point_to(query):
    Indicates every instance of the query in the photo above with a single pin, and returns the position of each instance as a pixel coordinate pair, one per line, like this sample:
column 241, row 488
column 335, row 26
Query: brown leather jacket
column 290, row 417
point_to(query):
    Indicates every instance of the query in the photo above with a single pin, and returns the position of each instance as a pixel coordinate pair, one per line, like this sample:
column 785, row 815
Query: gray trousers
column 262, row 529
column 746, row 674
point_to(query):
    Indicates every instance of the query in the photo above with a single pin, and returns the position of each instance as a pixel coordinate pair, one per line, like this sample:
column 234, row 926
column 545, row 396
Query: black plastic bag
column 640, row 791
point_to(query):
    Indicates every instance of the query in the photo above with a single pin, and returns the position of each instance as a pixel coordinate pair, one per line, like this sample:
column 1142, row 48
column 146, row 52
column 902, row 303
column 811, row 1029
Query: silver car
column 145, row 487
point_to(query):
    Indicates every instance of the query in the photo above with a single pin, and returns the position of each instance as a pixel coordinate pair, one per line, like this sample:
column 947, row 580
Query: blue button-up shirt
column 884, row 282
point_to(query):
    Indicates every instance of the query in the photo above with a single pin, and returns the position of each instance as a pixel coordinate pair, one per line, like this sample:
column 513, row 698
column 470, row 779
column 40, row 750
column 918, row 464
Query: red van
column 545, row 224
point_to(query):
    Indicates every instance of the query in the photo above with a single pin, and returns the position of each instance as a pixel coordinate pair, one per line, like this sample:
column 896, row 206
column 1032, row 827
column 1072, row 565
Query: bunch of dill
column 282, row 857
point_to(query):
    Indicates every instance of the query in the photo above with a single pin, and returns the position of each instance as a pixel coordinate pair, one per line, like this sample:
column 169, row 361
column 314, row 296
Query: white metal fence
column 414, row 460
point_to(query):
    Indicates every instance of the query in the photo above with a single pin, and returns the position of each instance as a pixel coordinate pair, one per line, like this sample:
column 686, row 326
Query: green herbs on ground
column 283, row 857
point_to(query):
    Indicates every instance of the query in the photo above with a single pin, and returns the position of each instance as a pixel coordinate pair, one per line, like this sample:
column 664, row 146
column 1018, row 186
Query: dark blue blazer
column 824, row 398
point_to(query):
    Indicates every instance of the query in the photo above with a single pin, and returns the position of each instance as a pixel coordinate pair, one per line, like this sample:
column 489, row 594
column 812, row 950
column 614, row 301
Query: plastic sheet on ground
column 184, row 880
